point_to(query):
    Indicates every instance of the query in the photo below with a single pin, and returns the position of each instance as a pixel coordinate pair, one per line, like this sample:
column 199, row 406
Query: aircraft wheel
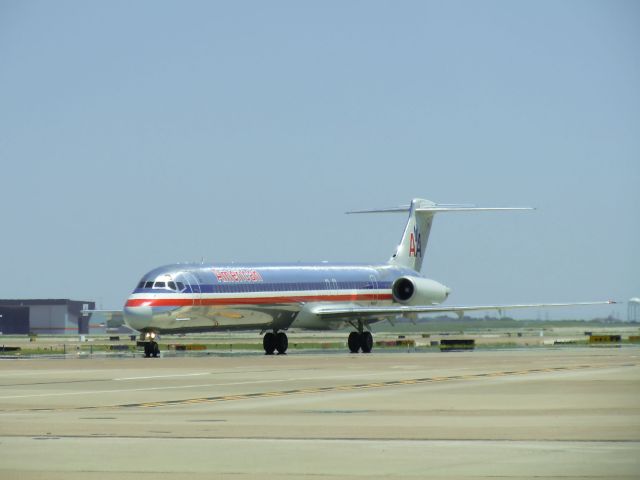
column 367, row 342
column 147, row 350
column 355, row 341
column 269, row 343
column 282, row 342
column 155, row 349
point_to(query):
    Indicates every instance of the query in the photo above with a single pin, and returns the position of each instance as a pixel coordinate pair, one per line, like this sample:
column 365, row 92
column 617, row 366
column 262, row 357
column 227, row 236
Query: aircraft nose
column 138, row 317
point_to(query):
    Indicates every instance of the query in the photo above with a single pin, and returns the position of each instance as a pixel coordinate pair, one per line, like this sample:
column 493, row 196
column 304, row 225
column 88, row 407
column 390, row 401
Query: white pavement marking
column 177, row 387
column 162, row 376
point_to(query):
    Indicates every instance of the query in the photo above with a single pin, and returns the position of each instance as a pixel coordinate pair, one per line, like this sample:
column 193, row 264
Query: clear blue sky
column 135, row 134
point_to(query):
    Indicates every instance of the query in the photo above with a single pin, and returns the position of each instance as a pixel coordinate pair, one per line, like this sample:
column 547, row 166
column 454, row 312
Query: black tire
column 147, row 350
column 282, row 343
column 367, row 342
column 269, row 343
column 354, row 342
column 155, row 349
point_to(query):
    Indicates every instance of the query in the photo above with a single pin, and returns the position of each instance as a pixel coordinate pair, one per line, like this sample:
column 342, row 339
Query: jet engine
column 418, row 291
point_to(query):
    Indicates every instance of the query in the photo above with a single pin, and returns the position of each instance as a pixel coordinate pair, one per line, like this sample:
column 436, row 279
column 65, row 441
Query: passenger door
column 193, row 286
column 373, row 285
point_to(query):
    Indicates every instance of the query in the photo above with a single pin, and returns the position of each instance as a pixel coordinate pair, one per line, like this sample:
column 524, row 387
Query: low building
column 48, row 316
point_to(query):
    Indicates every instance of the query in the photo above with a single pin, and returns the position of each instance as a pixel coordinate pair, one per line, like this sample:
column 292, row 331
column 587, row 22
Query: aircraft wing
column 355, row 311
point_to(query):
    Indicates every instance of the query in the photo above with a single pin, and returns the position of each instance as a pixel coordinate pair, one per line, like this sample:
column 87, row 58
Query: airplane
column 273, row 298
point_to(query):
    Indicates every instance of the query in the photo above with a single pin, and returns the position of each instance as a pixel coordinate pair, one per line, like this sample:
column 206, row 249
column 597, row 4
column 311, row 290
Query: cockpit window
column 141, row 284
column 159, row 285
column 180, row 286
column 172, row 285
column 148, row 285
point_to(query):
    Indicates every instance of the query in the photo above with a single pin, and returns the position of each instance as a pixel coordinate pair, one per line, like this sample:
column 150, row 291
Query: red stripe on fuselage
column 183, row 302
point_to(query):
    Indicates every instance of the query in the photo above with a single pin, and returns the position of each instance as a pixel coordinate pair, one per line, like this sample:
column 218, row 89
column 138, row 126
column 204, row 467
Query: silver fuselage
column 184, row 298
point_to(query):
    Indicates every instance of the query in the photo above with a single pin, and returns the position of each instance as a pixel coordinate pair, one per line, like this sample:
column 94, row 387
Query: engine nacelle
column 418, row 291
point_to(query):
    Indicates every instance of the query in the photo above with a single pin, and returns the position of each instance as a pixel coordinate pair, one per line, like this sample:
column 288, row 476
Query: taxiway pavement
column 527, row 413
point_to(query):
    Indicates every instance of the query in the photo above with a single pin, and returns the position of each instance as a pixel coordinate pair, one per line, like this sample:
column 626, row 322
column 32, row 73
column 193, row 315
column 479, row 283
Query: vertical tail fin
column 410, row 252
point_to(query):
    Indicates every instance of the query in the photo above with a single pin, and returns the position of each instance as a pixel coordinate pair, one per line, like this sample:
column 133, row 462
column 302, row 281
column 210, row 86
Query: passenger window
column 148, row 285
column 159, row 285
column 172, row 285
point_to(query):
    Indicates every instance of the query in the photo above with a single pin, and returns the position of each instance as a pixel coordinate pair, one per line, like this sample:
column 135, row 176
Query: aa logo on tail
column 415, row 243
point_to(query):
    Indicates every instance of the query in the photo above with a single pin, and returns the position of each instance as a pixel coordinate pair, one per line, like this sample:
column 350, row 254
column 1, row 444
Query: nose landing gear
column 151, row 347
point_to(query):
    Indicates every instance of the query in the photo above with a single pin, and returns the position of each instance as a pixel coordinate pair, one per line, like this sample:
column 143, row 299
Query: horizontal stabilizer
column 410, row 252
column 438, row 208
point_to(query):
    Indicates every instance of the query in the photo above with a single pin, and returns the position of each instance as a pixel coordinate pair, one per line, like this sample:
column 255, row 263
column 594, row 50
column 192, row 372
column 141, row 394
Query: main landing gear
column 273, row 341
column 361, row 340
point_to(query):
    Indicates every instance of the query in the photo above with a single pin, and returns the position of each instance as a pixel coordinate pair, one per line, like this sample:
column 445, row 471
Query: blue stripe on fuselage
column 274, row 287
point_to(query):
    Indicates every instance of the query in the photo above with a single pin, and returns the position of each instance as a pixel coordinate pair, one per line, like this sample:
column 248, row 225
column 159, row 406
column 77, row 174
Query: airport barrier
column 396, row 343
column 180, row 347
column 457, row 344
column 605, row 339
column 4, row 348
column 119, row 348
column 634, row 338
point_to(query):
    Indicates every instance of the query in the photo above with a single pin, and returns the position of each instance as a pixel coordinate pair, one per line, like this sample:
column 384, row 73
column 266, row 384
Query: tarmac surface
column 562, row 412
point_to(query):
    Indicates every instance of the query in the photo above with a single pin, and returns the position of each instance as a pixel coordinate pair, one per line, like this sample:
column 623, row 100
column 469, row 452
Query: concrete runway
column 538, row 413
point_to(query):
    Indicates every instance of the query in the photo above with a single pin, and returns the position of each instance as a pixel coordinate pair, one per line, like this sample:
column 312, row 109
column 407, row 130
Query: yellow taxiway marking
column 272, row 394
column 233, row 397
column 336, row 388
column 343, row 388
